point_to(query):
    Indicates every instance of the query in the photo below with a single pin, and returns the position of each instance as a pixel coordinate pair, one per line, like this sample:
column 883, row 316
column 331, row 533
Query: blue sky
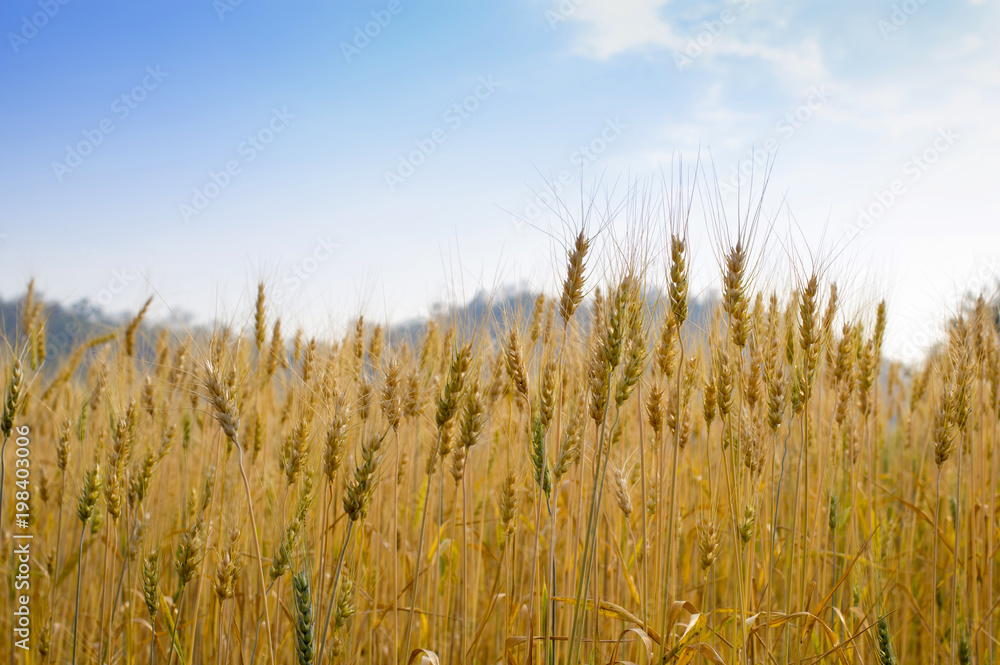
column 192, row 148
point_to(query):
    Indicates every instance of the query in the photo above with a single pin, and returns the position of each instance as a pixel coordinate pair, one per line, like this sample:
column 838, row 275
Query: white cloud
column 611, row 27
column 801, row 63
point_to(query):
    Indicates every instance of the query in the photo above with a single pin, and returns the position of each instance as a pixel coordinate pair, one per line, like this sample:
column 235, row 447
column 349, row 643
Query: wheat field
column 598, row 478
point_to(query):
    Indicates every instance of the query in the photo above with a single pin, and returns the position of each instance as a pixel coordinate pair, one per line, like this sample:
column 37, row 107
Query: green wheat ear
column 304, row 638
column 883, row 643
column 964, row 650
